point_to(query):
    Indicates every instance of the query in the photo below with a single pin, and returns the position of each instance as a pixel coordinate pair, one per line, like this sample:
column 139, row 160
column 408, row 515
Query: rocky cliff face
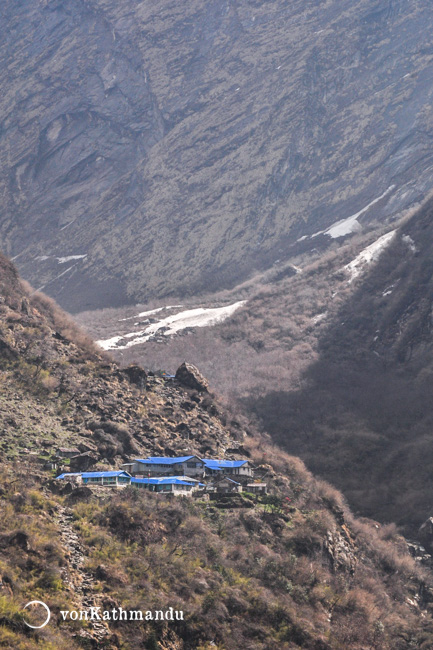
column 149, row 149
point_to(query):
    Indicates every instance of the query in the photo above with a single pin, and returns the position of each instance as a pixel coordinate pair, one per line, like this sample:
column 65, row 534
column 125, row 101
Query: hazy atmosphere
column 216, row 325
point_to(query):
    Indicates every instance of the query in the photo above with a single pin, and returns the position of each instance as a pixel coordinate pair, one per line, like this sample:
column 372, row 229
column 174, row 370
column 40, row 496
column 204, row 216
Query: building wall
column 178, row 469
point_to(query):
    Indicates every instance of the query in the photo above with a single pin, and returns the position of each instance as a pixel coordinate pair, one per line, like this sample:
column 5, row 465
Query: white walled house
column 166, row 484
column 166, row 466
column 111, row 479
column 231, row 468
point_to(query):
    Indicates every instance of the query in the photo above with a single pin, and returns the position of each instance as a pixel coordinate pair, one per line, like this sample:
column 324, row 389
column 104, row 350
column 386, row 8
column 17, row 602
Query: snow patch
column 68, row 224
column 70, row 268
column 61, row 260
column 144, row 314
column 70, row 258
column 200, row 317
column 368, row 255
column 110, row 344
column 407, row 239
column 319, row 317
column 346, row 226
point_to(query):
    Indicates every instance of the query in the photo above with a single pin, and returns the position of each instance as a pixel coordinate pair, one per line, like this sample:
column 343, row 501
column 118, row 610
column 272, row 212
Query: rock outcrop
column 135, row 375
column 191, row 377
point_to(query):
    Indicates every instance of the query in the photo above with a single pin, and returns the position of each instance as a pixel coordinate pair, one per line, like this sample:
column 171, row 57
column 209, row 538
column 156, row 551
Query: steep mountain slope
column 335, row 360
column 150, row 149
column 57, row 389
column 363, row 415
column 294, row 571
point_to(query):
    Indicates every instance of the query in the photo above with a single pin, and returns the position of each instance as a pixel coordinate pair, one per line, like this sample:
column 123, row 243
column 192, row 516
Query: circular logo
column 38, row 602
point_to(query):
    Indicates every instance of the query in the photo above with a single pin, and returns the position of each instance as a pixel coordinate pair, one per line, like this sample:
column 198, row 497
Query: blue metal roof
column 95, row 474
column 170, row 480
column 164, row 460
column 104, row 474
column 212, row 463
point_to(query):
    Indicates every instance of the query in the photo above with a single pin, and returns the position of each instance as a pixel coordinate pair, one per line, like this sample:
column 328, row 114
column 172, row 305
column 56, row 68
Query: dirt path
column 77, row 579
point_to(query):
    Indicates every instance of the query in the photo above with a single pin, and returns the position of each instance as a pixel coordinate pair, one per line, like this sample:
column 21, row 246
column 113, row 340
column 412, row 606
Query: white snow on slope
column 351, row 224
column 61, row 260
column 319, row 317
column 407, row 239
column 200, row 317
column 70, row 268
column 70, row 258
column 110, row 344
column 144, row 314
column 368, row 255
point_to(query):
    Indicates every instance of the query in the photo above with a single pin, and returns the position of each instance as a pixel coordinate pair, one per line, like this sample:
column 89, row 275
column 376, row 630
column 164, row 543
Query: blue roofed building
column 167, row 484
column 224, row 485
column 166, row 466
column 227, row 467
column 117, row 478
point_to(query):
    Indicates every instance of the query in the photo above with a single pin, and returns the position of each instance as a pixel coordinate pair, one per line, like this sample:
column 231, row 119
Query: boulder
column 66, row 489
column 341, row 551
column 189, row 376
column 135, row 375
column 81, row 493
column 6, row 351
column 82, row 462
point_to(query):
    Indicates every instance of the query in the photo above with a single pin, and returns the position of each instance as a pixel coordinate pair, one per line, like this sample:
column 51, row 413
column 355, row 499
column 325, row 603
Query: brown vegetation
column 338, row 373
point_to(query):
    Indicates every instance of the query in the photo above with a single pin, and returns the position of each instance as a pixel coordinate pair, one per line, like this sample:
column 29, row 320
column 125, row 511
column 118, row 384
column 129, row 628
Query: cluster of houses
column 181, row 475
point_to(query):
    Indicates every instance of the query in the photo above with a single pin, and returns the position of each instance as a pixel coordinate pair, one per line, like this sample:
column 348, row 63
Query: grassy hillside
column 294, row 570
column 306, row 575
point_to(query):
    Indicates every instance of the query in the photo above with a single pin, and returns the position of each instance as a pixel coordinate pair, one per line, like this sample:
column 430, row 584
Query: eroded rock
column 191, row 377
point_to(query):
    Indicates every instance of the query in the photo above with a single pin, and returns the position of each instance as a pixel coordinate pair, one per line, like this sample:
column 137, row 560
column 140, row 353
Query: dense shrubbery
column 309, row 576
column 254, row 579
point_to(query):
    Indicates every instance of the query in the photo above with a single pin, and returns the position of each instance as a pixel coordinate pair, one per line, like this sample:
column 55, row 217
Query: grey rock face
column 149, row 149
column 189, row 376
